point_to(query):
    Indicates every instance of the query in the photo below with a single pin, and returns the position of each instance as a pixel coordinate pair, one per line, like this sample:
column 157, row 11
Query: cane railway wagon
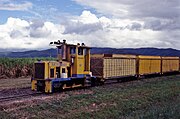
column 170, row 64
column 108, row 66
column 149, row 65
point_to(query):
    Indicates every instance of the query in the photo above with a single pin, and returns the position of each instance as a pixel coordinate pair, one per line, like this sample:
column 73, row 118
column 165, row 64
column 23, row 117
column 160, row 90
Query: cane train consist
column 73, row 68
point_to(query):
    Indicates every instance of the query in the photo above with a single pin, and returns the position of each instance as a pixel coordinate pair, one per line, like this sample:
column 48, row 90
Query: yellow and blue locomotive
column 72, row 69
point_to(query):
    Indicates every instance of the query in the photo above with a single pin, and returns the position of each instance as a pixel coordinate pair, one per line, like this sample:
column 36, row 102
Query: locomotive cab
column 72, row 69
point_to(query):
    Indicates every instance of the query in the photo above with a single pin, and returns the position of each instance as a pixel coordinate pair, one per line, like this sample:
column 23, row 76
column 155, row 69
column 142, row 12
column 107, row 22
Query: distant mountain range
column 95, row 50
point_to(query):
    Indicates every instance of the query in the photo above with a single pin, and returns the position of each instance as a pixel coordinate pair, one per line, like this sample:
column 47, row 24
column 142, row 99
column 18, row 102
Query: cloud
column 166, row 12
column 146, row 23
column 134, row 9
column 10, row 5
column 163, row 24
column 80, row 28
column 123, row 33
column 84, row 24
column 17, row 34
column 39, row 29
column 93, row 30
column 88, row 23
column 135, row 26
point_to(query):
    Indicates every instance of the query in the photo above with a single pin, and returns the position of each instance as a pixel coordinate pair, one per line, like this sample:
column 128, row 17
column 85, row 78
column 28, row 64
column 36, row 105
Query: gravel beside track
column 20, row 96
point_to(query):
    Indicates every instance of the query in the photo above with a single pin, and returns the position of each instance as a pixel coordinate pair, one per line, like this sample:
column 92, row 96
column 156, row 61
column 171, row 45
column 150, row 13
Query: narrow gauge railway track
column 123, row 81
column 21, row 96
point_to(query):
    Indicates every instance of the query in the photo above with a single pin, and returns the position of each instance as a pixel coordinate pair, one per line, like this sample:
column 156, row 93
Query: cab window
column 51, row 73
column 59, row 51
column 58, row 72
column 80, row 51
column 63, row 70
column 85, row 51
column 73, row 50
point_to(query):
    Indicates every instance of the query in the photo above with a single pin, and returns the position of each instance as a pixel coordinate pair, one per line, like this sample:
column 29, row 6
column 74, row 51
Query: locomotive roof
column 72, row 45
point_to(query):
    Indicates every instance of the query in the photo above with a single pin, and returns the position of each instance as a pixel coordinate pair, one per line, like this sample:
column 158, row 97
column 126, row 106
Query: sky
column 32, row 24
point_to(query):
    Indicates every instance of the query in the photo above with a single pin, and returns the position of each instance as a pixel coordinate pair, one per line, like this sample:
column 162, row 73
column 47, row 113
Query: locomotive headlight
column 90, row 73
column 72, row 60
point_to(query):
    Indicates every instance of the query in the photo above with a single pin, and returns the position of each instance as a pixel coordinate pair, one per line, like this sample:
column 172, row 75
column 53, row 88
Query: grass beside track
column 145, row 99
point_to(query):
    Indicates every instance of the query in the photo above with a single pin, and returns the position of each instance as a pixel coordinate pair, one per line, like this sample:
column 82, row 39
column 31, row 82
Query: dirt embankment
column 15, row 72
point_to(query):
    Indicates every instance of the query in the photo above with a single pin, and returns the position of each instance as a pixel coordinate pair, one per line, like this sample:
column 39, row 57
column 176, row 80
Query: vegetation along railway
column 75, row 67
